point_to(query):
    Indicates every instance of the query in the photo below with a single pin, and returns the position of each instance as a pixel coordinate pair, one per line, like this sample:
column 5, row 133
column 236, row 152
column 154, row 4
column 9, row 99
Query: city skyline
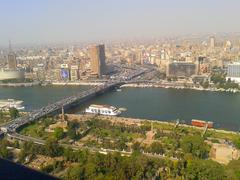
column 130, row 89
column 77, row 21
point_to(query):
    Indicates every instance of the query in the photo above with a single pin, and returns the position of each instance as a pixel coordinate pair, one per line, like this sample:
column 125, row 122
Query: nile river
column 150, row 103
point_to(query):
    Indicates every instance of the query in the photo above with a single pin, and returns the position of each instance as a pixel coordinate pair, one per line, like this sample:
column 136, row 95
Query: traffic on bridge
column 13, row 125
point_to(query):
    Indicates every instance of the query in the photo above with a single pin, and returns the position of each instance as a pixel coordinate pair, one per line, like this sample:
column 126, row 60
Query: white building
column 233, row 72
column 212, row 42
column 6, row 74
column 74, row 73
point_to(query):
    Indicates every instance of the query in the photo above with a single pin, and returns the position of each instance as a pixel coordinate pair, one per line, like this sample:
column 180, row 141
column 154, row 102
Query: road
column 75, row 147
column 13, row 125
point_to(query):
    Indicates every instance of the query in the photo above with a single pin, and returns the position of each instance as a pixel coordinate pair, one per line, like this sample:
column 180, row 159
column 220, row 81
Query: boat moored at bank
column 201, row 123
column 6, row 104
column 103, row 110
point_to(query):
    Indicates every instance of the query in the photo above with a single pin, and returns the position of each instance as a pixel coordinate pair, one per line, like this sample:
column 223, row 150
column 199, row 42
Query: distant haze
column 44, row 21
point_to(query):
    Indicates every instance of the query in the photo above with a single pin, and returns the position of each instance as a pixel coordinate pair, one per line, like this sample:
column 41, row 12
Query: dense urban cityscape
column 186, row 61
column 137, row 108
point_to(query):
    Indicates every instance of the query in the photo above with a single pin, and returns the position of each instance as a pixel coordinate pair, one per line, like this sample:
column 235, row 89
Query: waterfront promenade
column 20, row 84
column 177, row 85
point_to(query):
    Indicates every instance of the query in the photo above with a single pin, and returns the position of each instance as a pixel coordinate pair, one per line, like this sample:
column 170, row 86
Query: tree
column 233, row 169
column 237, row 143
column 136, row 146
column 4, row 152
column 204, row 169
column 52, row 148
column 218, row 78
column 72, row 126
column 231, row 85
column 58, row 133
column 121, row 144
column 75, row 172
column 194, row 145
column 47, row 121
column 79, row 156
column 14, row 113
column 1, row 114
column 72, row 134
column 205, row 84
column 90, row 170
column 156, row 147
column 30, row 149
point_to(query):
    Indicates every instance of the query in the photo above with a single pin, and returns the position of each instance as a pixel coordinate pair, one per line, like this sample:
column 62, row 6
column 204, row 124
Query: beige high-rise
column 11, row 58
column 97, row 56
column 12, row 62
column 212, row 42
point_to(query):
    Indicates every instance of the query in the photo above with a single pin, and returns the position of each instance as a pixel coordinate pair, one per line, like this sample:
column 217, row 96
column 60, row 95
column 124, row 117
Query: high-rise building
column 212, row 42
column 181, row 69
column 233, row 72
column 39, row 72
column 228, row 46
column 97, row 56
column 74, row 73
column 64, row 72
column 12, row 59
column 199, row 63
column 12, row 62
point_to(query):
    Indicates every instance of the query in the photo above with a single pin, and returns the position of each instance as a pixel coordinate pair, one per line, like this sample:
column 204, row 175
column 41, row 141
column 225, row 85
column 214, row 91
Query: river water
column 150, row 103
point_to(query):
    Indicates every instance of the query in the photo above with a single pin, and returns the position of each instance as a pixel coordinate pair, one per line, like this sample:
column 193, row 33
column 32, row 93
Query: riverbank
column 155, row 85
column 80, row 83
column 76, row 83
column 129, row 85
column 144, row 85
column 20, row 84
column 136, row 121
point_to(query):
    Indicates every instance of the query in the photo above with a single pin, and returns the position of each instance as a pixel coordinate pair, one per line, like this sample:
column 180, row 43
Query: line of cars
column 16, row 123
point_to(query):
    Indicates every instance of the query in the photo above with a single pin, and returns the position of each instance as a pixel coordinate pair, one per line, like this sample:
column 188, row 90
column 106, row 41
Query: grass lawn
column 36, row 130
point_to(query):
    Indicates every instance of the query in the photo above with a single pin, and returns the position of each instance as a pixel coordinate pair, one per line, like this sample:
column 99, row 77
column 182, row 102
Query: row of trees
column 220, row 80
column 51, row 148
column 190, row 146
column 13, row 113
column 138, row 166
column 87, row 165
column 102, row 124
column 4, row 152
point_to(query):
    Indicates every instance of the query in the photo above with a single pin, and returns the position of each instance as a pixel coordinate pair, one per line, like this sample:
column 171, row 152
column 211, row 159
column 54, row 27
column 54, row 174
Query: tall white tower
column 212, row 42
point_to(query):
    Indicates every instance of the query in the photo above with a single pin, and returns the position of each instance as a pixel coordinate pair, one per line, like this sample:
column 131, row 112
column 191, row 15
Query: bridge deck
column 13, row 125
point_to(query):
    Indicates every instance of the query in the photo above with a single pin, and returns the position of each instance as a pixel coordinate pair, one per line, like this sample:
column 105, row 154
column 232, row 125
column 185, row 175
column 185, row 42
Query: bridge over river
column 56, row 107
column 69, row 102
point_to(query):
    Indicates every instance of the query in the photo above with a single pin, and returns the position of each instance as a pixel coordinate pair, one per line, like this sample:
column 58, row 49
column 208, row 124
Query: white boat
column 103, row 110
column 6, row 104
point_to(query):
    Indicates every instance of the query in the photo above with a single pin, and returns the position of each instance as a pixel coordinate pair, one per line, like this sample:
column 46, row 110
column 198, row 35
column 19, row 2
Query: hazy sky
column 40, row 21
